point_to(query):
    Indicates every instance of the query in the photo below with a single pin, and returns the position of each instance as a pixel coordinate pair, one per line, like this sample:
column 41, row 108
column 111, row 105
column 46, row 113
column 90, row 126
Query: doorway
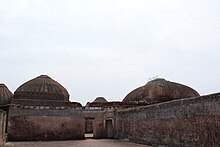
column 89, row 127
column 109, row 128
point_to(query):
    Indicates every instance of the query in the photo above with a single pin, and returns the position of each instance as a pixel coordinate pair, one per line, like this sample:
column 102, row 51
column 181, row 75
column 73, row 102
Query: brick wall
column 2, row 127
column 32, row 124
column 99, row 121
column 189, row 122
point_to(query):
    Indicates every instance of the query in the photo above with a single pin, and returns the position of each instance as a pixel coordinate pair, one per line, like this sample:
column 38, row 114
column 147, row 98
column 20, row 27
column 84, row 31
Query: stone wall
column 44, row 124
column 2, row 127
column 99, row 121
column 45, row 103
column 184, row 122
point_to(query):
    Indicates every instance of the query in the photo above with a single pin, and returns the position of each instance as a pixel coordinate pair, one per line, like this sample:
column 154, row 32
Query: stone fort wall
column 184, row 122
column 45, row 124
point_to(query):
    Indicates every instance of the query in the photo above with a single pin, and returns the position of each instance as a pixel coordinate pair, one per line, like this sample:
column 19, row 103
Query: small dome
column 5, row 95
column 159, row 90
column 100, row 100
column 42, row 88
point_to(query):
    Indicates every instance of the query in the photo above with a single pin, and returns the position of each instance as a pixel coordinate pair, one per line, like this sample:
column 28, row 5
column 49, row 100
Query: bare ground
column 76, row 143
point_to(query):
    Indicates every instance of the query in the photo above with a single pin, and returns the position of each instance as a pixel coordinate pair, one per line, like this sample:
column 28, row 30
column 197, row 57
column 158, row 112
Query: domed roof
column 159, row 90
column 42, row 88
column 100, row 100
column 5, row 95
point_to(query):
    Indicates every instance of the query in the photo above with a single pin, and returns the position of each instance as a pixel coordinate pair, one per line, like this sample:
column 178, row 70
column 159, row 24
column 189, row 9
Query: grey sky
column 109, row 47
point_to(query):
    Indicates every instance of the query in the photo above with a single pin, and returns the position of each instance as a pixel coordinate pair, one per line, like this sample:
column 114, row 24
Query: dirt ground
column 76, row 143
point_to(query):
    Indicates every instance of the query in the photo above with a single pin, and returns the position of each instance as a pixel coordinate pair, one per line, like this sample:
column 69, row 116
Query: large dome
column 159, row 90
column 5, row 95
column 42, row 88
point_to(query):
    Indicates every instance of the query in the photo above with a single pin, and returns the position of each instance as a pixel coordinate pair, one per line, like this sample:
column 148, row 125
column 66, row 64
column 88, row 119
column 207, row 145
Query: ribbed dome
column 5, row 95
column 100, row 100
column 42, row 88
column 159, row 90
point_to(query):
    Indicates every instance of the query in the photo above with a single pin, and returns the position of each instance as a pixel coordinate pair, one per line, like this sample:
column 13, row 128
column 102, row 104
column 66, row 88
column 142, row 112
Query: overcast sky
column 109, row 47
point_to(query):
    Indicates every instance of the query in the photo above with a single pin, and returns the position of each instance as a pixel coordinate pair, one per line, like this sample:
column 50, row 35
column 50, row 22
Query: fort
column 159, row 113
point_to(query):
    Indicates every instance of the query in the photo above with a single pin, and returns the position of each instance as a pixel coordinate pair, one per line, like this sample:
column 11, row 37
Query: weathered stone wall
column 184, row 122
column 45, row 103
column 99, row 121
column 41, row 124
column 2, row 127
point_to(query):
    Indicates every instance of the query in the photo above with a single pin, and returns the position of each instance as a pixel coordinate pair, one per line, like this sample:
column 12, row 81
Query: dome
column 5, row 95
column 42, row 88
column 100, row 100
column 159, row 90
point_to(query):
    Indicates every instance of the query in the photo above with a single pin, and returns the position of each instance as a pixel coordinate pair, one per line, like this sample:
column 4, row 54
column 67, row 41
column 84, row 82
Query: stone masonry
column 184, row 122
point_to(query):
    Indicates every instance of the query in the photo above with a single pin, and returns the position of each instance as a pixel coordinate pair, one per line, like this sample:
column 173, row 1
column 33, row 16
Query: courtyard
column 76, row 143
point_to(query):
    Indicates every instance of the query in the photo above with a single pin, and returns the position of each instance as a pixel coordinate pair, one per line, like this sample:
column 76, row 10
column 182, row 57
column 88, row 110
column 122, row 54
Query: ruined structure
column 98, row 102
column 174, row 115
column 3, row 134
column 5, row 95
column 159, row 90
column 5, row 99
column 94, row 110
column 158, row 113
column 184, row 122
column 42, row 111
column 99, row 116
